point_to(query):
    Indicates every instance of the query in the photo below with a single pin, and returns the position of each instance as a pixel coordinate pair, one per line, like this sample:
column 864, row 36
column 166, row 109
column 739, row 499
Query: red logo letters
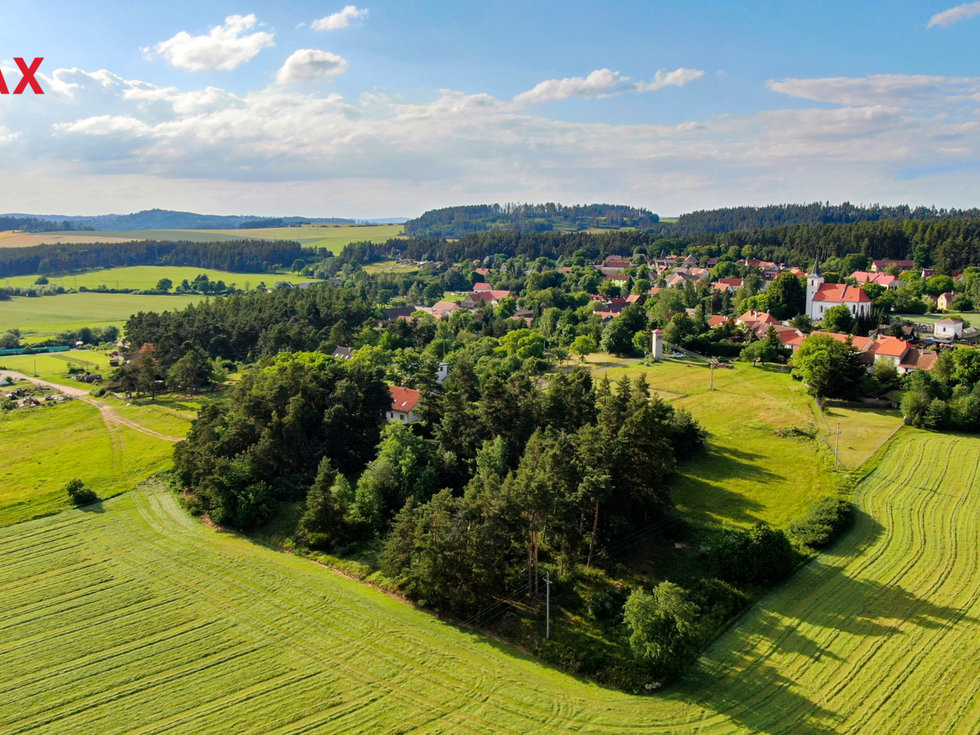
column 28, row 73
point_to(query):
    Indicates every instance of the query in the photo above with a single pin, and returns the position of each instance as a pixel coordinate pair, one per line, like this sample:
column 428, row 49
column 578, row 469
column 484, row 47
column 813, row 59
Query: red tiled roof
column 840, row 293
column 919, row 360
column 403, row 399
column 481, row 286
column 717, row 320
column 892, row 347
column 753, row 317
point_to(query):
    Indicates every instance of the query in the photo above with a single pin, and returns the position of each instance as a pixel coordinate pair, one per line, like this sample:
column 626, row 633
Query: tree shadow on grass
column 95, row 507
column 701, row 484
column 761, row 699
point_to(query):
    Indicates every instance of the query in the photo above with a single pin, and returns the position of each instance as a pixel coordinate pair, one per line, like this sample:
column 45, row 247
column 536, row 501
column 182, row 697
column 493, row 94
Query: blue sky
column 390, row 108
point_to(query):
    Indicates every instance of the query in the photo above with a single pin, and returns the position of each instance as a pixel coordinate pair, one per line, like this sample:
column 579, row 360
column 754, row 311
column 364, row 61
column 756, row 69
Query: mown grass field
column 49, row 315
column 53, row 366
column 770, row 448
column 132, row 617
column 147, row 276
column 45, row 447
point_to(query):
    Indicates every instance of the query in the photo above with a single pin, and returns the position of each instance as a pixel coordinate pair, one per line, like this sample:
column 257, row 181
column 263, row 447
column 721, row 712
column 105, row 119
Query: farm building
column 949, row 328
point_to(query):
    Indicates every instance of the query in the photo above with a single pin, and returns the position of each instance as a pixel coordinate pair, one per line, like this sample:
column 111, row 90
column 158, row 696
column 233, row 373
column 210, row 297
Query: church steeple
column 813, row 283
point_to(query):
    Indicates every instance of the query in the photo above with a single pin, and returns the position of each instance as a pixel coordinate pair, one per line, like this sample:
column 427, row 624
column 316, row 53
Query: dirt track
column 110, row 415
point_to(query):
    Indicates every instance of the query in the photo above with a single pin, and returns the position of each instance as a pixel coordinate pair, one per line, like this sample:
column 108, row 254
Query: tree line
column 945, row 244
column 245, row 256
column 728, row 219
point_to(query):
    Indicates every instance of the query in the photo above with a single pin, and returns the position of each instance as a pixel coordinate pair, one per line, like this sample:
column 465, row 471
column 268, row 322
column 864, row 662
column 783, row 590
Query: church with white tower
column 821, row 296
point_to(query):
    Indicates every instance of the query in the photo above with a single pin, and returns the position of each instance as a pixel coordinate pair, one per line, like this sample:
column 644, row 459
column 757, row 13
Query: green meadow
column 47, row 315
column 145, row 277
column 770, row 448
column 45, row 447
column 130, row 616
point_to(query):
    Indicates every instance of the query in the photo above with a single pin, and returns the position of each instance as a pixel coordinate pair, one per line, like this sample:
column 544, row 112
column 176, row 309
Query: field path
column 133, row 617
column 110, row 415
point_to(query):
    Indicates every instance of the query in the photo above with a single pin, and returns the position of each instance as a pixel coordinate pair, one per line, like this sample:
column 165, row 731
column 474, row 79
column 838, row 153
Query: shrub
column 760, row 555
column 606, row 606
column 98, row 391
column 823, row 522
column 78, row 494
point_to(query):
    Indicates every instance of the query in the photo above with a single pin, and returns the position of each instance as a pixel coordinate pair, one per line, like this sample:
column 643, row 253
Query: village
column 860, row 300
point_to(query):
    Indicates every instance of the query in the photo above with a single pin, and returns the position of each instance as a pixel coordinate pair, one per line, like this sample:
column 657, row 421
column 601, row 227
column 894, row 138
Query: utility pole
column 837, row 446
column 547, row 604
column 711, row 369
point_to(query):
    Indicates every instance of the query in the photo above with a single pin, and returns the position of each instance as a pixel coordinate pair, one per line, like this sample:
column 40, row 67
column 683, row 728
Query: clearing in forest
column 132, row 616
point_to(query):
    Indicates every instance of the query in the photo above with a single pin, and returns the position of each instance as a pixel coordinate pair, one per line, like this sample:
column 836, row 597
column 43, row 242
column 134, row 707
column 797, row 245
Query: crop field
column 17, row 239
column 770, row 450
column 48, row 315
column 45, row 447
column 131, row 616
column 332, row 237
column 147, row 276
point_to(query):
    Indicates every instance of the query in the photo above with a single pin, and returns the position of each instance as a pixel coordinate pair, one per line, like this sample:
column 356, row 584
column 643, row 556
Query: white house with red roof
column 403, row 403
column 821, row 296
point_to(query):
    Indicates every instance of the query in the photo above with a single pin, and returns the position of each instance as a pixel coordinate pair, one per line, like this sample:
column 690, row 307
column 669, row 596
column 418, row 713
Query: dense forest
column 707, row 221
column 947, row 245
column 244, row 256
column 458, row 221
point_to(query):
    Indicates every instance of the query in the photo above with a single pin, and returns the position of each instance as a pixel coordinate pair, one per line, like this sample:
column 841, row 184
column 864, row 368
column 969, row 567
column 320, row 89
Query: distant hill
column 550, row 217
column 153, row 219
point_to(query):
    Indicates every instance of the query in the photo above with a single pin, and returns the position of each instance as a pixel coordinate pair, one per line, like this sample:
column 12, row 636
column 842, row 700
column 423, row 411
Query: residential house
column 443, row 309
column 945, row 300
column 949, row 328
column 882, row 279
column 403, row 403
column 753, row 318
column 475, row 299
column 342, row 353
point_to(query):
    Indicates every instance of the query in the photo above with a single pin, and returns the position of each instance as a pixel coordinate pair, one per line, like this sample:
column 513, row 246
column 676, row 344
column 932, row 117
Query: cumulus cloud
column 603, row 83
column 309, row 64
column 317, row 147
column 225, row 47
column 880, row 89
column 339, row 20
column 955, row 15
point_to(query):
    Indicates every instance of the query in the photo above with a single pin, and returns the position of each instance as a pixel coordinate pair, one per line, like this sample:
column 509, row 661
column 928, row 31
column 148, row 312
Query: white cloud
column 225, row 47
column 677, row 78
column 955, row 15
column 276, row 149
column 603, row 83
column 336, row 21
column 309, row 64
column 880, row 89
